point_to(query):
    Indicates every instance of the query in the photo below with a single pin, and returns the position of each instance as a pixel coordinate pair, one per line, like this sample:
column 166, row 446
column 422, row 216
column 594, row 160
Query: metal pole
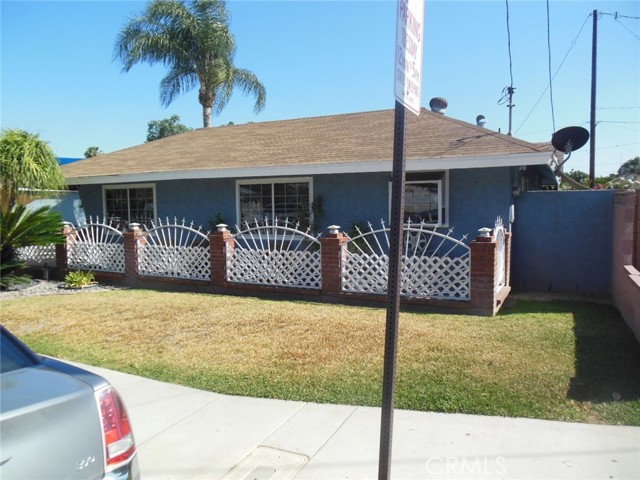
column 510, row 90
column 592, row 127
column 393, row 293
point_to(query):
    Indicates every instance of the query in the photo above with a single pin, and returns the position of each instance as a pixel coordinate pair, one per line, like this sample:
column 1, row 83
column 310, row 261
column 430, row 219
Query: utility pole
column 592, row 127
column 510, row 105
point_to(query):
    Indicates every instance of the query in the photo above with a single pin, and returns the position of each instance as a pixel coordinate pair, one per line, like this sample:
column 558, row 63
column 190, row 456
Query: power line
column 509, row 44
column 507, row 92
column 616, row 15
column 627, row 29
column 573, row 43
column 616, row 108
column 553, row 115
column 615, row 121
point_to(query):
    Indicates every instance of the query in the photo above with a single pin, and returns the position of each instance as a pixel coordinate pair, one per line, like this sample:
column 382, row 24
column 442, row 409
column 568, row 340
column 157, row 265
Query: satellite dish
column 569, row 139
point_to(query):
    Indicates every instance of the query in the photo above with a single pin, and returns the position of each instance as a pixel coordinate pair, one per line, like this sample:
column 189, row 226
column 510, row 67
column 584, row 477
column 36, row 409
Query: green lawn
column 567, row 361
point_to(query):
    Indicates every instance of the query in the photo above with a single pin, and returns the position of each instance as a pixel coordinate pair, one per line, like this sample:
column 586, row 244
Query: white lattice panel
column 300, row 269
column 174, row 250
column 434, row 265
column 275, row 253
column 96, row 246
column 365, row 273
column 438, row 278
column 38, row 255
column 174, row 261
column 103, row 257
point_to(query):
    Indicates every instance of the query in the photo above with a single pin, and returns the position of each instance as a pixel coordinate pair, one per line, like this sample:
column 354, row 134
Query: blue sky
column 58, row 77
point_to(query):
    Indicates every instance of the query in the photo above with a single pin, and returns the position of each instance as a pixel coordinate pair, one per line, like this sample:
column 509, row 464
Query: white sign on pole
column 409, row 33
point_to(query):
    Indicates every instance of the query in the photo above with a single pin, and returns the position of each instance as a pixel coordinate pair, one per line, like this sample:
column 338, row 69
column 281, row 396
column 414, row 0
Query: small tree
column 630, row 167
column 92, row 152
column 579, row 176
column 26, row 162
column 157, row 129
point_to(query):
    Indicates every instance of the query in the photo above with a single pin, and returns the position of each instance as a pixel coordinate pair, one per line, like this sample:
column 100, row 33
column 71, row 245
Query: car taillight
column 116, row 429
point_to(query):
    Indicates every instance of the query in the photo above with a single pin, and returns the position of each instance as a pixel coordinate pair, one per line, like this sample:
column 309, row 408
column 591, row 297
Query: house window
column 130, row 204
column 282, row 199
column 426, row 198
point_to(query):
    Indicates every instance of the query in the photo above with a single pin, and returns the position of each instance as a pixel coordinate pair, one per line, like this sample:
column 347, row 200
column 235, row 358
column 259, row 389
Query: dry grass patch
column 533, row 360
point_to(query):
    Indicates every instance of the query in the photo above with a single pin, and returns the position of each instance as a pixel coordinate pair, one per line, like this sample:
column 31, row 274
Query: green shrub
column 79, row 279
column 22, row 227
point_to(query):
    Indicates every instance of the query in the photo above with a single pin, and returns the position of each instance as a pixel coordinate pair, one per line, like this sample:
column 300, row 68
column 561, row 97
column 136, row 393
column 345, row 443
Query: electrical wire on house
column 553, row 115
column 573, row 44
column 507, row 92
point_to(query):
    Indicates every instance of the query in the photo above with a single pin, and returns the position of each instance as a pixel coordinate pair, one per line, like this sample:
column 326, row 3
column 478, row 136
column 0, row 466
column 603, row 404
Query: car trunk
column 45, row 411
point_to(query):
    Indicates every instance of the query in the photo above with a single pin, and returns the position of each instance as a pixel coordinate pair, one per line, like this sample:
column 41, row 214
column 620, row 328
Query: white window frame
column 443, row 197
column 129, row 186
column 272, row 181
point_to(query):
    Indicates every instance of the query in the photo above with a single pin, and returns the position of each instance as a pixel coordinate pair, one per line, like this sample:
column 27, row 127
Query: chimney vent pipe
column 438, row 104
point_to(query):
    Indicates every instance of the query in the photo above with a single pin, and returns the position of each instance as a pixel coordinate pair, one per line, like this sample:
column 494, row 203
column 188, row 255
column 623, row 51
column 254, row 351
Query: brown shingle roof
column 349, row 138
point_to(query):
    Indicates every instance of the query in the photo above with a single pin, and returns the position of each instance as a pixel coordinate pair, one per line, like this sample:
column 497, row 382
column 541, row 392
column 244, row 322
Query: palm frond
column 26, row 161
column 248, row 82
column 178, row 80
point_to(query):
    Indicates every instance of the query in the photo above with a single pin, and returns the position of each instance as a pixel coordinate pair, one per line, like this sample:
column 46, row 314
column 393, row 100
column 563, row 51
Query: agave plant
column 21, row 227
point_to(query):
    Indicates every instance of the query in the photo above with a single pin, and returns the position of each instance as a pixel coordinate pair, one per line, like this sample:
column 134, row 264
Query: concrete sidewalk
column 184, row 433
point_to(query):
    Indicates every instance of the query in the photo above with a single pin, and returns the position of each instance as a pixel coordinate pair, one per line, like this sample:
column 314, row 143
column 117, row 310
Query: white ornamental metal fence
column 499, row 235
column 96, row 246
column 434, row 265
column 37, row 255
column 174, row 250
column 275, row 253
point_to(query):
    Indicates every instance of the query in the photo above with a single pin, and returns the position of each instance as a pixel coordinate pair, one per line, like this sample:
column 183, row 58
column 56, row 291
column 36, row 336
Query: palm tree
column 26, row 161
column 192, row 38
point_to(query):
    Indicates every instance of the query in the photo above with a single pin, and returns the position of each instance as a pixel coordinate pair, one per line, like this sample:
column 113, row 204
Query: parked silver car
column 59, row 421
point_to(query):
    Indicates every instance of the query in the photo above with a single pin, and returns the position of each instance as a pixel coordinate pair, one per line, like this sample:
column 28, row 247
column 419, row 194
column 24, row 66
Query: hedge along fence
column 277, row 259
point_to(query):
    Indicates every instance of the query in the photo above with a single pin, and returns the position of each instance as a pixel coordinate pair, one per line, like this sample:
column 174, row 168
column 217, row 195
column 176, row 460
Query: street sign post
column 408, row 92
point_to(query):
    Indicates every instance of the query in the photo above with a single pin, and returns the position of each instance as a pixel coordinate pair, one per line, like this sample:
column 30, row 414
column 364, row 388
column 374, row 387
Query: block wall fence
column 486, row 297
column 625, row 281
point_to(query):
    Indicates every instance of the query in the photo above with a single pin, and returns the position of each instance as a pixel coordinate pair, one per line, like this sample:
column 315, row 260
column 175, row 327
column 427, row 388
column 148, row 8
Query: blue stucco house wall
column 475, row 198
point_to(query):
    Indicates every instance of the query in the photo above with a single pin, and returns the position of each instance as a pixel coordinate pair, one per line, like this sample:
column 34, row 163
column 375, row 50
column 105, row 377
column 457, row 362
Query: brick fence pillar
column 332, row 251
column 218, row 242
column 131, row 238
column 484, row 263
column 62, row 256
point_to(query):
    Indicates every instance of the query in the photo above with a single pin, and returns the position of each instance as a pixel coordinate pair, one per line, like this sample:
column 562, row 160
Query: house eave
column 440, row 163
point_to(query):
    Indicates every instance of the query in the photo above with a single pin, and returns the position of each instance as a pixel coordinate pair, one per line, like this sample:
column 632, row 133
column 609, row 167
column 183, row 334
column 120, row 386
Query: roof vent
column 438, row 104
column 481, row 121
